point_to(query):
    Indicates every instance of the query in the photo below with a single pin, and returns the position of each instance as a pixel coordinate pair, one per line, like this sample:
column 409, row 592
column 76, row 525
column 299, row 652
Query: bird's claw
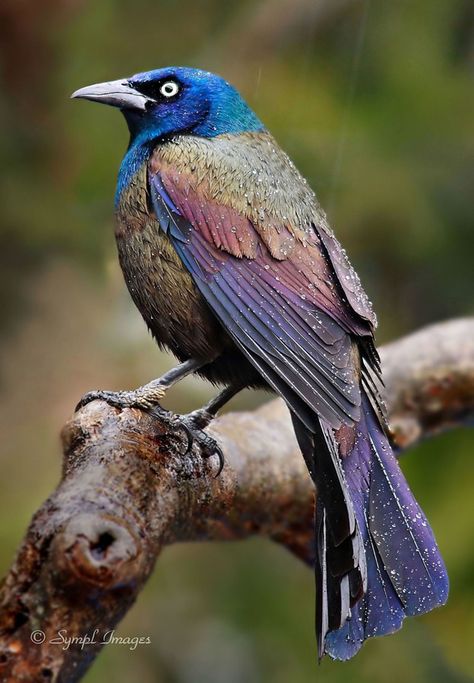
column 193, row 425
column 117, row 399
column 174, row 420
column 210, row 447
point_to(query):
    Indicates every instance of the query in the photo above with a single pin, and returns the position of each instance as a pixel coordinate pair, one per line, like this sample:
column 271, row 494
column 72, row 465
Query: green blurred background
column 374, row 102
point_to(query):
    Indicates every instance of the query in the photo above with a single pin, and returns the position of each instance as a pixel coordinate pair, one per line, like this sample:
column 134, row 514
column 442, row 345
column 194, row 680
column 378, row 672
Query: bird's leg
column 149, row 395
column 196, row 422
column 200, row 418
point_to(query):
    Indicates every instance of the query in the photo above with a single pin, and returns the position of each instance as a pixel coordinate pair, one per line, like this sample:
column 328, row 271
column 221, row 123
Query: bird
column 233, row 265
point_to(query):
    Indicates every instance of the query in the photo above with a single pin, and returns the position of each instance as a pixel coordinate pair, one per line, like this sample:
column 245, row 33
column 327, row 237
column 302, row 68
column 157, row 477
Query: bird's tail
column 396, row 569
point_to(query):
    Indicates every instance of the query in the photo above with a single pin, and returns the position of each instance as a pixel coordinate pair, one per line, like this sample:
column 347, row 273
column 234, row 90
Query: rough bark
column 129, row 487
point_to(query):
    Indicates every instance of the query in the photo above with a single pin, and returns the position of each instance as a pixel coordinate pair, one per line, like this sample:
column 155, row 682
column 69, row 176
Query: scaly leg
column 149, row 395
column 203, row 416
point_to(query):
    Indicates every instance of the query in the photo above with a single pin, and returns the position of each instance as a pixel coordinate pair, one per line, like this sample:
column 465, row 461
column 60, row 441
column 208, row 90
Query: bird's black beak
column 115, row 93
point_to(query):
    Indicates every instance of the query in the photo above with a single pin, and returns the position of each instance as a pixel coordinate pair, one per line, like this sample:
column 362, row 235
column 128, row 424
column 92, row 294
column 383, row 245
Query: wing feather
column 256, row 301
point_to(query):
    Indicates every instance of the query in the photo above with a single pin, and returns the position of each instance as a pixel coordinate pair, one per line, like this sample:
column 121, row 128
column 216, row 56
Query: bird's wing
column 277, row 293
column 281, row 299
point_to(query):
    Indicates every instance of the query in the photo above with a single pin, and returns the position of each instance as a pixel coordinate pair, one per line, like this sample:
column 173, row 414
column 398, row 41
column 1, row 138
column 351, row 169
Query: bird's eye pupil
column 169, row 89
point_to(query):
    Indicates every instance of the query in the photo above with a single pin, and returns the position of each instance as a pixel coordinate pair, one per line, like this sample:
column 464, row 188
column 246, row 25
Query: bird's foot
column 149, row 395
column 194, row 424
column 145, row 398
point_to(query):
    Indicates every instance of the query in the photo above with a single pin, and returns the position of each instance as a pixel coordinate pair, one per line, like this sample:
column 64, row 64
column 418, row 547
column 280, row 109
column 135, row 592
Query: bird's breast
column 161, row 288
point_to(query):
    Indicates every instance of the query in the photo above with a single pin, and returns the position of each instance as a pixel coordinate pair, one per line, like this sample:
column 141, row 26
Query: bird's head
column 175, row 100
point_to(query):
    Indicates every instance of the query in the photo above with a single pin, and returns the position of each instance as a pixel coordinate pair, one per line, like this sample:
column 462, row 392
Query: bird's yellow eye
column 169, row 89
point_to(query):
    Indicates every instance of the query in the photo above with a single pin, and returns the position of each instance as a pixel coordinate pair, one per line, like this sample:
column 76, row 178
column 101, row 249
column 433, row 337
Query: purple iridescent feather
column 405, row 571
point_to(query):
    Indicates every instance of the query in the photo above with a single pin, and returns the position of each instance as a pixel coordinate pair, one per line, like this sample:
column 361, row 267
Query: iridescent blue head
column 175, row 100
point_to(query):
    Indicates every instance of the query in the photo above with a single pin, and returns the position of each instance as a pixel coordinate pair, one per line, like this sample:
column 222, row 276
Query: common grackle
column 232, row 264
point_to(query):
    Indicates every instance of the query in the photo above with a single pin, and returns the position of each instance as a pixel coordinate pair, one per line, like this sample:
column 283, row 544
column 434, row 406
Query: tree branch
column 128, row 488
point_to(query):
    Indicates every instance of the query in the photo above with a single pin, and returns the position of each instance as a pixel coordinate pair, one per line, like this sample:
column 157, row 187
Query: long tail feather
column 405, row 572
column 340, row 569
